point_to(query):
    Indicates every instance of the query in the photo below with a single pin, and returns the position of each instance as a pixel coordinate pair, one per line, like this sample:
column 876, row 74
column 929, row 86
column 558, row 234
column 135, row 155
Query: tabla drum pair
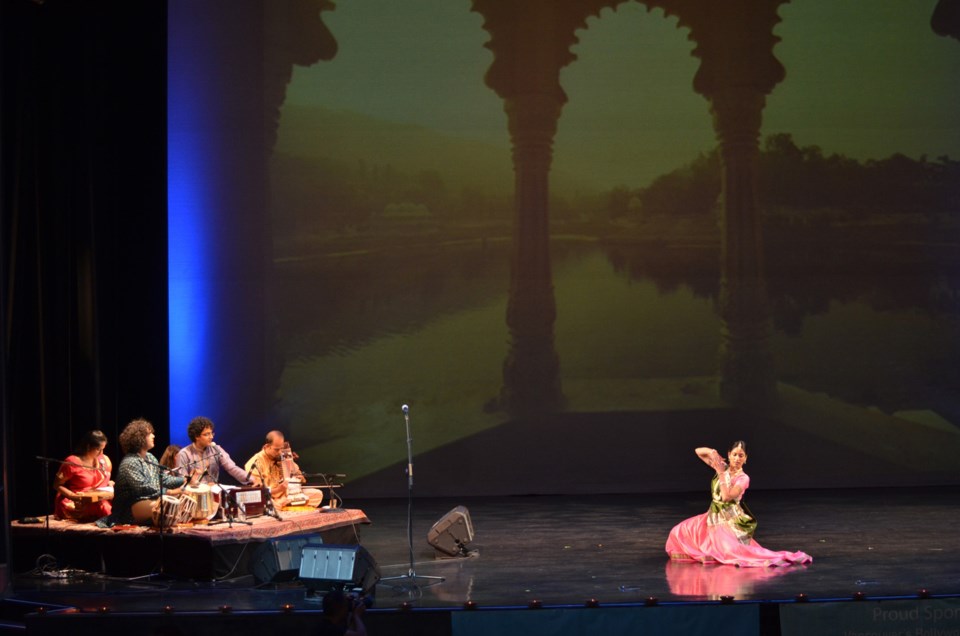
column 170, row 511
column 207, row 502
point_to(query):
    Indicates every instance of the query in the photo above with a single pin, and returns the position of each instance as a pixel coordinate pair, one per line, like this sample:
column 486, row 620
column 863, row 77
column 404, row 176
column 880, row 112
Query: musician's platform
column 194, row 551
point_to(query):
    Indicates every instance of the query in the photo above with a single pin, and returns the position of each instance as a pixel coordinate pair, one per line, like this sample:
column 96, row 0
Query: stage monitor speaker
column 338, row 567
column 277, row 560
column 452, row 533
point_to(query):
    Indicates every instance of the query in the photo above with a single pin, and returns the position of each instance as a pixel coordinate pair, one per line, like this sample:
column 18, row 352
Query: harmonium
column 250, row 500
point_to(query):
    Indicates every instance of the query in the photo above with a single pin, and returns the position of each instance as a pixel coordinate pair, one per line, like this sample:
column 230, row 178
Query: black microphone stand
column 224, row 508
column 334, row 500
column 408, row 581
column 162, row 503
column 269, row 508
column 161, row 509
column 46, row 489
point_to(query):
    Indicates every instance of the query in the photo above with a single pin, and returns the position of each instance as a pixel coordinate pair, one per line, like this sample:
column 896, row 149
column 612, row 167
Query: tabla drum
column 206, row 503
column 167, row 508
column 186, row 509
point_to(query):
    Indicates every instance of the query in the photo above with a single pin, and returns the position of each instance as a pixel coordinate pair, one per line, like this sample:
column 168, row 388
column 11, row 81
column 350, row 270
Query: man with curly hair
column 206, row 455
column 140, row 480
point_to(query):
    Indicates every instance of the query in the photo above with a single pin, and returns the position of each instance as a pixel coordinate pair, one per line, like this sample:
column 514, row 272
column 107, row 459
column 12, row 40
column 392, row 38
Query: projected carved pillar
column 747, row 375
column 530, row 41
column 531, row 372
column 294, row 35
column 945, row 20
column 738, row 70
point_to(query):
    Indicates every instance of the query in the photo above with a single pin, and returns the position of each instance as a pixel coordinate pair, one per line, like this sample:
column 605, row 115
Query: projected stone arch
column 531, row 44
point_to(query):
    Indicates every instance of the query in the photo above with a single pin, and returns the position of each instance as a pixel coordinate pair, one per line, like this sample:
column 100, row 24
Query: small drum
column 186, row 509
column 206, row 503
column 167, row 507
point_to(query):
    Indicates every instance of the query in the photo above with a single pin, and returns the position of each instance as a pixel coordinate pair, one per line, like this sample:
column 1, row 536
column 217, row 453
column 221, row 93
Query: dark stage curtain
column 84, row 309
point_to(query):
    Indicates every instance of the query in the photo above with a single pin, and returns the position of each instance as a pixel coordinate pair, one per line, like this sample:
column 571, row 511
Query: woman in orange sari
column 83, row 482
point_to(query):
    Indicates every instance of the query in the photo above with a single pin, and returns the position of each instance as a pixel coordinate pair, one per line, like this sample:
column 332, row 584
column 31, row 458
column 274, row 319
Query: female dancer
column 724, row 534
column 83, row 482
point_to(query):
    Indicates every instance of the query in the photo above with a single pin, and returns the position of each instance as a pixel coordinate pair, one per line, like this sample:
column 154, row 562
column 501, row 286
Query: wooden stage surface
column 563, row 552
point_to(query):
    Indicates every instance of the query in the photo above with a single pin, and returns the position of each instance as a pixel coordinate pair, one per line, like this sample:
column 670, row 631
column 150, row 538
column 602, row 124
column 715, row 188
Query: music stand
column 411, row 577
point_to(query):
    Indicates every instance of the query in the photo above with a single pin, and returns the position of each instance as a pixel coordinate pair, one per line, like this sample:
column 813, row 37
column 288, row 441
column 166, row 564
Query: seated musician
column 274, row 467
column 83, row 485
column 209, row 457
column 140, row 479
column 169, row 456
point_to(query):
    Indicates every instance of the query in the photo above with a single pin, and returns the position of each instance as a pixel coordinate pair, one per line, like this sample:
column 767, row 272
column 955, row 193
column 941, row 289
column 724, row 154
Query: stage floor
column 565, row 551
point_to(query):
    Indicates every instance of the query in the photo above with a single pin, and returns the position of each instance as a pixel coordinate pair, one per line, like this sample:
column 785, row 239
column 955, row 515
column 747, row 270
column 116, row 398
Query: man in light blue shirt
column 203, row 452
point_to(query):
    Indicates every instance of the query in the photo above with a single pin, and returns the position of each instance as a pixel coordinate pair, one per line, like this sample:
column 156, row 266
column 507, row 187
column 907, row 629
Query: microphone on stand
column 406, row 418
column 176, row 470
column 270, row 509
column 216, row 456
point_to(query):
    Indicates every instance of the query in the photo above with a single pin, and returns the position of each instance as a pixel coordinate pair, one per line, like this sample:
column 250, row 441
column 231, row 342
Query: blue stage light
column 188, row 231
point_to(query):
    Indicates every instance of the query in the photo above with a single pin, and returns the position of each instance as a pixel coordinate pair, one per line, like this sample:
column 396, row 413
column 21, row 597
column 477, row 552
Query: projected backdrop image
column 577, row 247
